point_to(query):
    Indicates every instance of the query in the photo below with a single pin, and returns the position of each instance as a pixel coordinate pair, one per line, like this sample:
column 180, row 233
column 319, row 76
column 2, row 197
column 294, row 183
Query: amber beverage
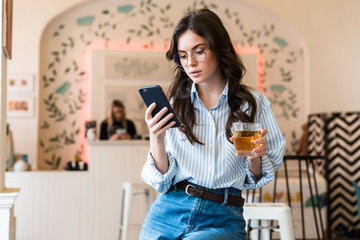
column 244, row 142
column 244, row 135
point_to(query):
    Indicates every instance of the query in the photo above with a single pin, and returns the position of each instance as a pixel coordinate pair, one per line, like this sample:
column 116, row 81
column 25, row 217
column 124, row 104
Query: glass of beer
column 244, row 135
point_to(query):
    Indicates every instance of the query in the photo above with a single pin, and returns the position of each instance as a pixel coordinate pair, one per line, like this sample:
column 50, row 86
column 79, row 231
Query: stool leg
column 255, row 233
column 150, row 197
column 285, row 223
column 128, row 192
column 122, row 213
column 265, row 231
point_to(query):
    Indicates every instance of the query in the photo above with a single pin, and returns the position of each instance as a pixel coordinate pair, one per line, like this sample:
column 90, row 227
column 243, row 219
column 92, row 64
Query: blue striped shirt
column 215, row 164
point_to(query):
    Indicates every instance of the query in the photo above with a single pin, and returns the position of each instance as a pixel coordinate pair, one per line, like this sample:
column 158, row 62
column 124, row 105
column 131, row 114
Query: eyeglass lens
column 198, row 54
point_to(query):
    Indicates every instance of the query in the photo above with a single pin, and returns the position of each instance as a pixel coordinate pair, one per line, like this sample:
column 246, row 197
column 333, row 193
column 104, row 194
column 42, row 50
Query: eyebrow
column 193, row 47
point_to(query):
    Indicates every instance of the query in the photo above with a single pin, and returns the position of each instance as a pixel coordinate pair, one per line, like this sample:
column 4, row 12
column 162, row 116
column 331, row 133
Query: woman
column 195, row 166
column 116, row 126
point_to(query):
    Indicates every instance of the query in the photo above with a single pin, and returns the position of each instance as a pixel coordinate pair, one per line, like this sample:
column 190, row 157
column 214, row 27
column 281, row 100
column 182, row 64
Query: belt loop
column 175, row 188
column 226, row 196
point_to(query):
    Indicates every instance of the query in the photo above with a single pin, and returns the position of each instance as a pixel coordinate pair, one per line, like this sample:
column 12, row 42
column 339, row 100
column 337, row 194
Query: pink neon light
column 260, row 63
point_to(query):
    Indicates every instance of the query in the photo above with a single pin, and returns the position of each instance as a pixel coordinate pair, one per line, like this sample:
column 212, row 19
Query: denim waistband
column 231, row 190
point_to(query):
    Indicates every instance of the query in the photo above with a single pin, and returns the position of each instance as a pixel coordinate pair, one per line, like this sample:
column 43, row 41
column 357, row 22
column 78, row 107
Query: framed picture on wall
column 20, row 82
column 20, row 106
column 122, row 65
column 7, row 26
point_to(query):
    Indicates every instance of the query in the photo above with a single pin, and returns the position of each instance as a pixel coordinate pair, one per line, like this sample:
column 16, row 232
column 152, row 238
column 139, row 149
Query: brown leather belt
column 219, row 198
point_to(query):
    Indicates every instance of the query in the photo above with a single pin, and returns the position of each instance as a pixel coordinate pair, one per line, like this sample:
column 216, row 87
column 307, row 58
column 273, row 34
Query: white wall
column 29, row 19
column 331, row 30
column 329, row 27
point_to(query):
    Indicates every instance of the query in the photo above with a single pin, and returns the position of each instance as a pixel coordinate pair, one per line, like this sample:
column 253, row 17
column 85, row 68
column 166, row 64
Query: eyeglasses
column 197, row 54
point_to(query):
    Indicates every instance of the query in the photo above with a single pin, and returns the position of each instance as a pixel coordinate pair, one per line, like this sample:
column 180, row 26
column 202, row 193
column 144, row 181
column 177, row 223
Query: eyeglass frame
column 177, row 60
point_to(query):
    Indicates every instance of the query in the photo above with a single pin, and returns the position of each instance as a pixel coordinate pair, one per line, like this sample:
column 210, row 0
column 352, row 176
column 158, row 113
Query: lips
column 195, row 73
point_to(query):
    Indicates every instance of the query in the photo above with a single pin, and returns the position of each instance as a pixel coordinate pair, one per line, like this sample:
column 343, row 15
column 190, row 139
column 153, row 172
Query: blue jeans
column 176, row 215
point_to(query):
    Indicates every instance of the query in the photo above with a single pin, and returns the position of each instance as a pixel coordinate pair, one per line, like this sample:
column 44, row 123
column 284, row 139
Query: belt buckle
column 187, row 189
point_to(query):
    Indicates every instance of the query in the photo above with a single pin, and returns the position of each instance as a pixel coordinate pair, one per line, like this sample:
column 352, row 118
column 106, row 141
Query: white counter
column 79, row 204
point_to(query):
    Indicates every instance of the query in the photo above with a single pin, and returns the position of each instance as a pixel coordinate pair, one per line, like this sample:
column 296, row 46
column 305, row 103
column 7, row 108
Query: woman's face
column 203, row 72
column 118, row 113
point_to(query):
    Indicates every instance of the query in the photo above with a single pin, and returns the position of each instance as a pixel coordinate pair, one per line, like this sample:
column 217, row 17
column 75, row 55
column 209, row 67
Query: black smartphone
column 155, row 94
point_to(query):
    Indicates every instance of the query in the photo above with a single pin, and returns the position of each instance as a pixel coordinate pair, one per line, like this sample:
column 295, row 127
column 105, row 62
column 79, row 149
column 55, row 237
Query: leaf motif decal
column 85, row 21
column 281, row 42
column 63, row 88
column 125, row 8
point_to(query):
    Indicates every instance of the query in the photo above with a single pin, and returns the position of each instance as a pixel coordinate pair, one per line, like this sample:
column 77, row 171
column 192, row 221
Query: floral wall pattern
column 147, row 25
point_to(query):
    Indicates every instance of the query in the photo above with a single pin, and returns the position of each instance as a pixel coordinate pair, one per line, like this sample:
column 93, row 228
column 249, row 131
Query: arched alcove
column 68, row 40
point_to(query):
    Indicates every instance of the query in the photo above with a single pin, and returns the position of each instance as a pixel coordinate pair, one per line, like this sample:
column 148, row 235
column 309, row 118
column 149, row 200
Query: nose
column 191, row 61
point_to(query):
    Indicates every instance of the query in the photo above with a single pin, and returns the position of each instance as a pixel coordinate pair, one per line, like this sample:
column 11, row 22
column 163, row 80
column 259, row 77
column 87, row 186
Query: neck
column 209, row 93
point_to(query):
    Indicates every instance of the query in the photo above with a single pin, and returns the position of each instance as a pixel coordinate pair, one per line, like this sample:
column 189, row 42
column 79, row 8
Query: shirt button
column 210, row 146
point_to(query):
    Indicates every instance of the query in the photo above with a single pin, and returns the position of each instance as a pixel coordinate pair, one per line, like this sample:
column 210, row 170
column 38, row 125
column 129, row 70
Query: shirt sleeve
column 131, row 128
column 275, row 141
column 152, row 176
column 103, row 131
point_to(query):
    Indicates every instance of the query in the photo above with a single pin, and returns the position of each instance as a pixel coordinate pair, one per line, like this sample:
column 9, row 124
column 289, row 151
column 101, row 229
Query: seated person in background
column 116, row 126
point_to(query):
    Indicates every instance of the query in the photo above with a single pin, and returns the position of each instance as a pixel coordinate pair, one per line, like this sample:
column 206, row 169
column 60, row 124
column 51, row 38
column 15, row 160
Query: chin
column 197, row 80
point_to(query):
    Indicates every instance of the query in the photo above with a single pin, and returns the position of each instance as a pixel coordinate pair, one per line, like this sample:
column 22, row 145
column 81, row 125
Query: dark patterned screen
column 337, row 136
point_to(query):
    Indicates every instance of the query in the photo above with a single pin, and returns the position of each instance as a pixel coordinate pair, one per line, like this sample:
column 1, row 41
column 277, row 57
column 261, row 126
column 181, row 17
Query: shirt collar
column 193, row 92
column 226, row 90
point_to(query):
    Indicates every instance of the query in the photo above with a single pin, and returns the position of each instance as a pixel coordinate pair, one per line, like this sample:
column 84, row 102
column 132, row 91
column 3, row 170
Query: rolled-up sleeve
column 152, row 176
column 275, row 141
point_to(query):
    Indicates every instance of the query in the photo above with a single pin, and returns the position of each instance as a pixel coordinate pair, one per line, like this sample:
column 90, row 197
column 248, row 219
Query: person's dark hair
column 111, row 119
column 208, row 25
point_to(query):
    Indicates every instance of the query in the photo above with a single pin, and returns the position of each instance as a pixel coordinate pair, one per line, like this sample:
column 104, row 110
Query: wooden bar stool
column 131, row 190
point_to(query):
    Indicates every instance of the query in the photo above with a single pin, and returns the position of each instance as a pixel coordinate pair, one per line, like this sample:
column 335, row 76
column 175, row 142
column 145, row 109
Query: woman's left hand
column 122, row 136
column 125, row 136
column 262, row 148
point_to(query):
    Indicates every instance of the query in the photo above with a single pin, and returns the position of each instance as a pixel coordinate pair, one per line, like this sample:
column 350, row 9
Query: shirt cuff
column 252, row 182
column 152, row 176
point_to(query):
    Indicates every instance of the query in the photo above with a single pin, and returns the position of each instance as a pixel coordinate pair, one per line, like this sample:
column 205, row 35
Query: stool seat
column 272, row 211
column 131, row 190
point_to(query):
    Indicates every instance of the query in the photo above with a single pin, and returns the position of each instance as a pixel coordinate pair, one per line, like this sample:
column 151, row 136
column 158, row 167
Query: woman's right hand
column 157, row 127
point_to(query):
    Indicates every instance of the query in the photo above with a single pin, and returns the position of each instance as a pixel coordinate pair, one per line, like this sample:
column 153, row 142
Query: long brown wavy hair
column 208, row 25
column 111, row 118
